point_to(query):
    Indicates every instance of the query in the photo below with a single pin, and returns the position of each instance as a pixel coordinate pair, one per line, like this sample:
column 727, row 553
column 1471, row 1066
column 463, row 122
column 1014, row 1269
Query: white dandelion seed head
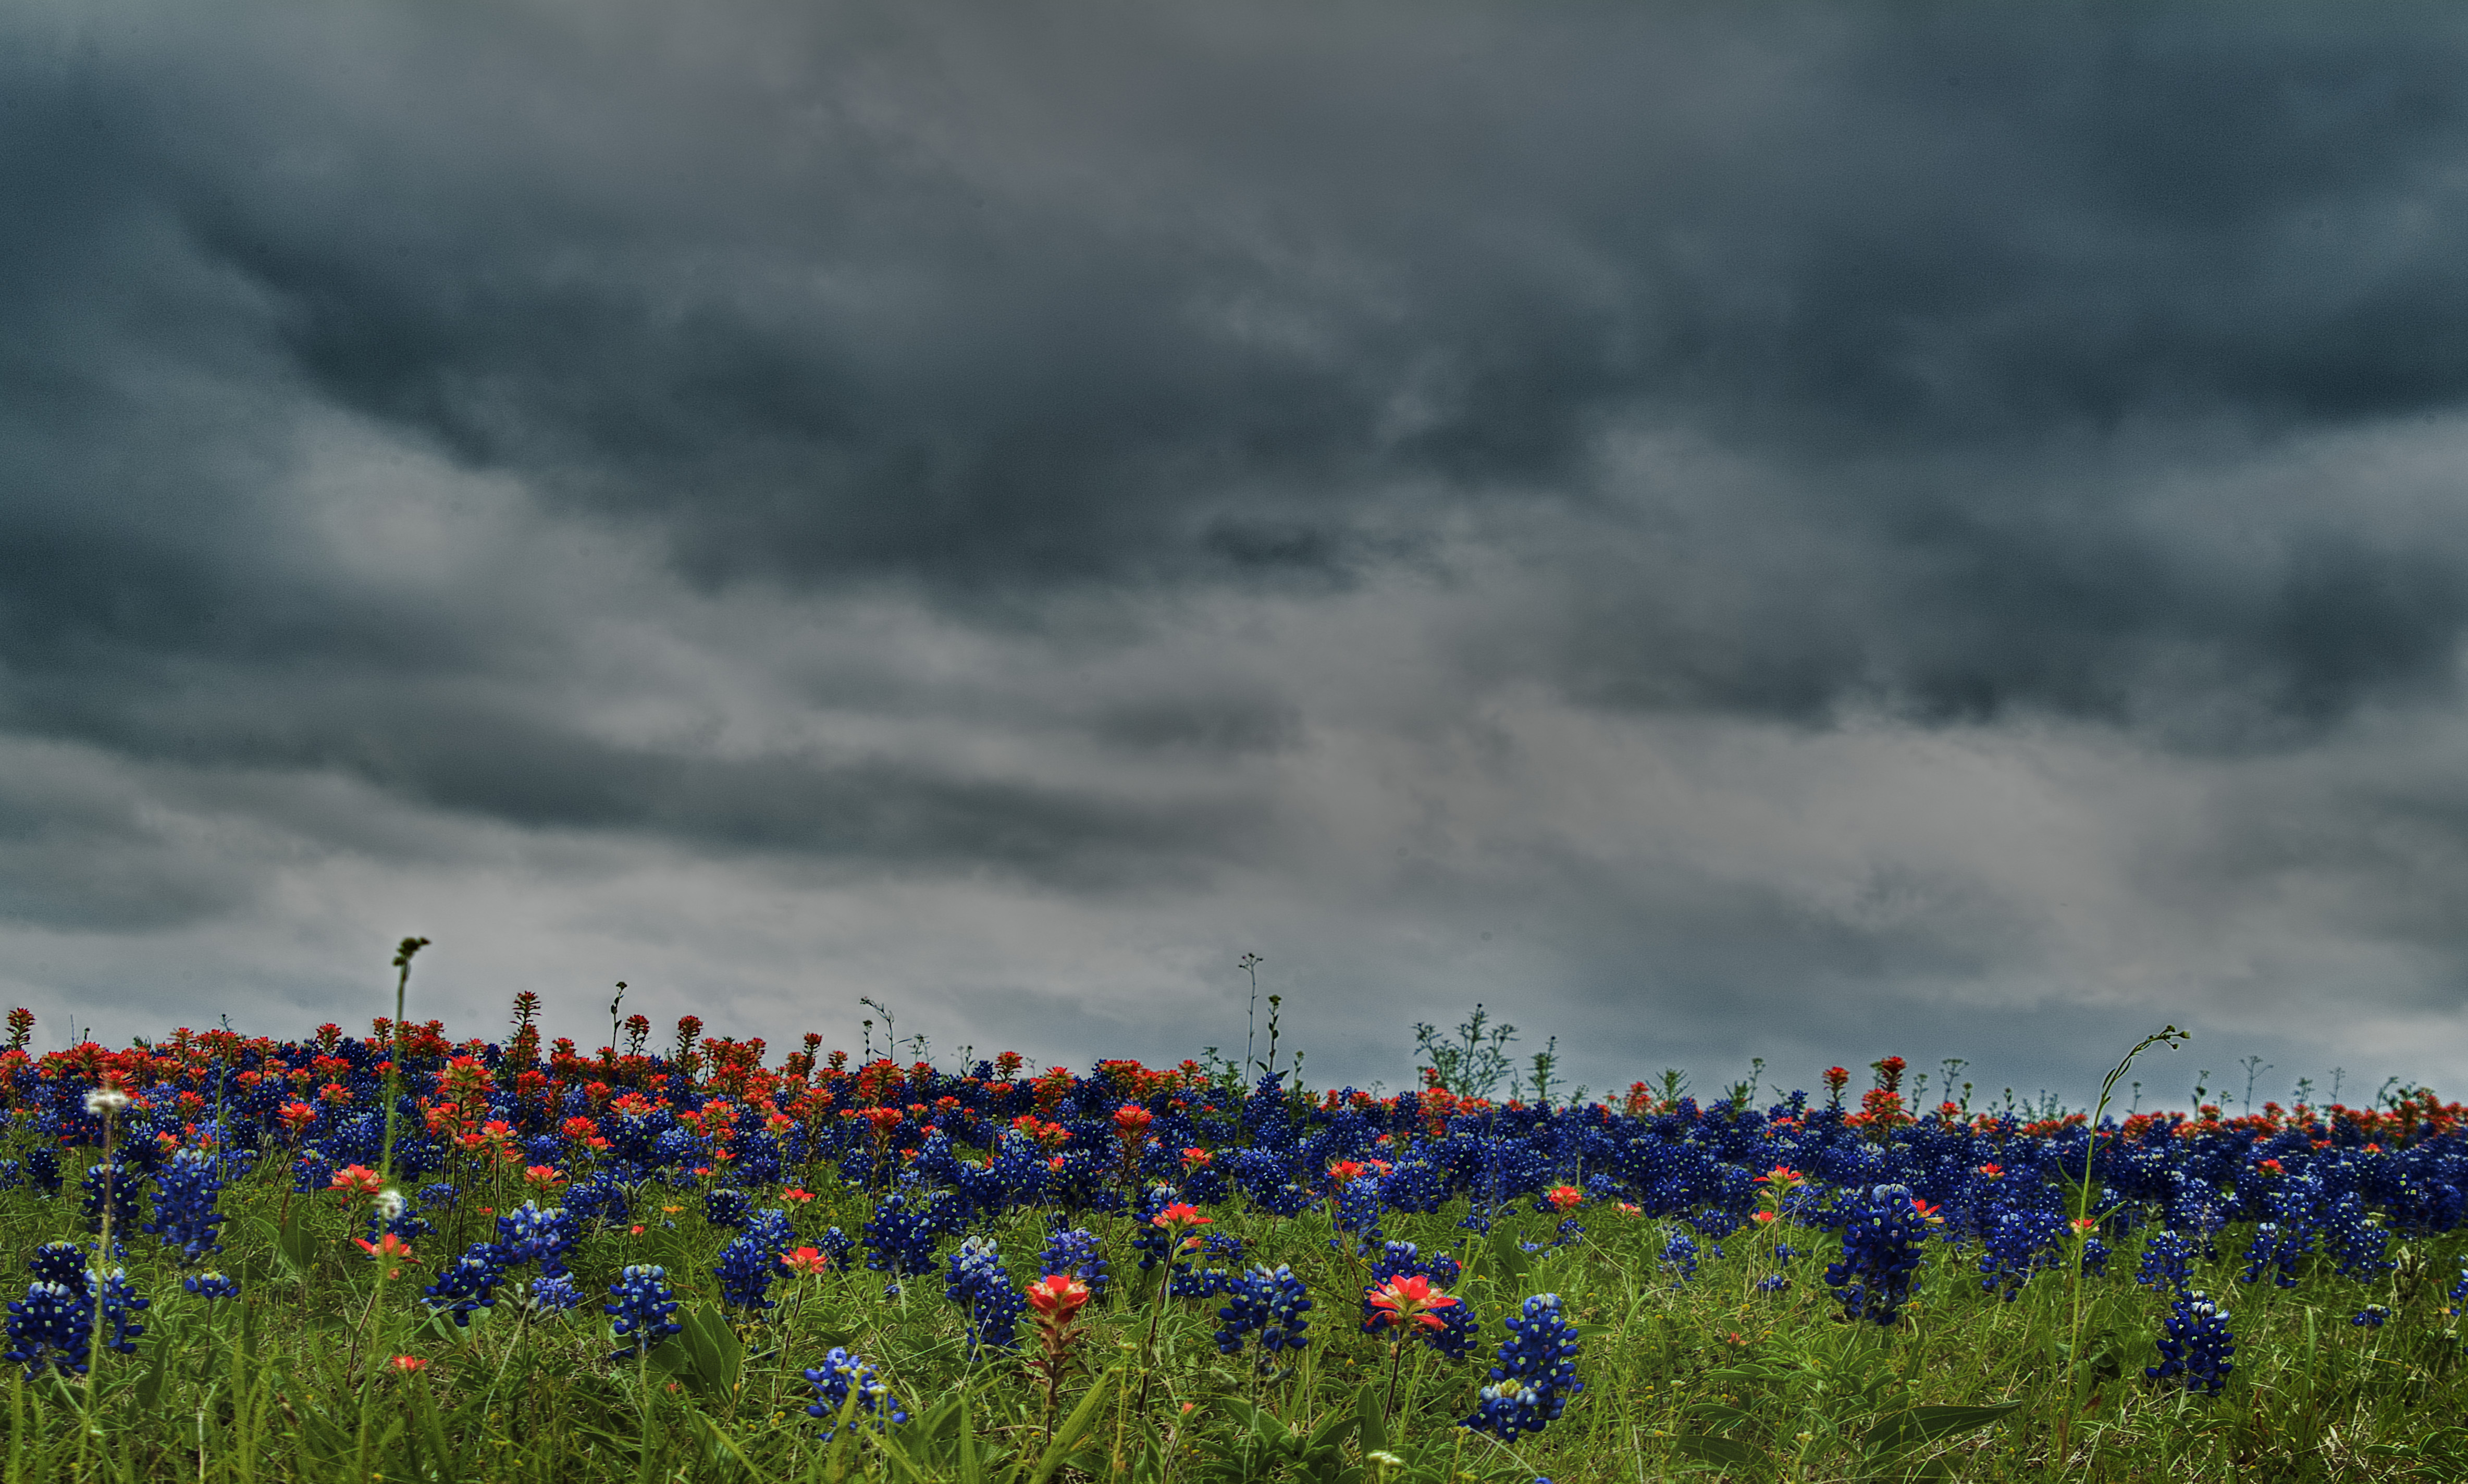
column 105, row 1101
column 389, row 1204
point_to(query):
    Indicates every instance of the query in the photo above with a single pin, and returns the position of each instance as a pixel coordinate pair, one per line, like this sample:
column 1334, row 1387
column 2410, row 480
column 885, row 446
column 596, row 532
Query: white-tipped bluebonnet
column 1269, row 1302
column 211, row 1285
column 640, row 1308
column 185, row 1188
column 59, row 1262
column 2167, row 1262
column 1882, row 1245
column 52, row 1326
column 747, row 1265
column 1535, row 1375
column 1076, row 1252
column 553, row 1296
column 843, row 1374
column 983, row 1289
column 2196, row 1346
column 726, row 1209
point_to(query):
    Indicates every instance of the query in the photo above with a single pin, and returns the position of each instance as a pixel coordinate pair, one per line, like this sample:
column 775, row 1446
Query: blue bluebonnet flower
column 983, row 1289
column 899, row 1240
column 1270, row 1302
column 1882, row 1245
column 1218, row 1258
column 2020, row 1241
column 43, row 1169
column 640, row 1311
column 746, row 1271
column 841, row 1376
column 726, row 1209
column 52, row 1325
column 211, row 1285
column 772, row 1229
column 1360, row 1202
column 184, row 1204
column 553, row 1296
column 59, row 1262
column 836, row 1244
column 1773, row 1283
column 529, row 1234
column 2372, row 1317
column 1535, row 1376
column 1679, row 1255
column 2167, row 1262
column 310, row 1172
column 1076, row 1251
column 2278, row 1249
column 2196, row 1346
column 124, row 1183
column 469, row 1282
column 121, row 1305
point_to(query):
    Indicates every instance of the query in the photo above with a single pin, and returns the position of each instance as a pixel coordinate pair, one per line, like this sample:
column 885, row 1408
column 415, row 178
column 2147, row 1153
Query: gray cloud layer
column 1771, row 532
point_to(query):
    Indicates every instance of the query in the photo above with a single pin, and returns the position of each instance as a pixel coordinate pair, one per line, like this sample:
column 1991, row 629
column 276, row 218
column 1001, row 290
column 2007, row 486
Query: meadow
column 401, row 1257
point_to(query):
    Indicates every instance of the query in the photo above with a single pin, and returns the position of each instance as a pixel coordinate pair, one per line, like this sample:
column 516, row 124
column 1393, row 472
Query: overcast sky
column 1717, row 532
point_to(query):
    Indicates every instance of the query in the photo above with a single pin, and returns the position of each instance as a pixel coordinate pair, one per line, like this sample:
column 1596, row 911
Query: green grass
column 1703, row 1380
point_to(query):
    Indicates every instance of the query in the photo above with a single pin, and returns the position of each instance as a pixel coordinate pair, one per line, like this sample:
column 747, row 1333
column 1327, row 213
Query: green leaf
column 294, row 1241
column 1708, row 1448
column 717, row 1353
column 972, row 1471
column 1508, row 1260
column 1927, row 1423
column 1067, row 1437
column 1369, row 1417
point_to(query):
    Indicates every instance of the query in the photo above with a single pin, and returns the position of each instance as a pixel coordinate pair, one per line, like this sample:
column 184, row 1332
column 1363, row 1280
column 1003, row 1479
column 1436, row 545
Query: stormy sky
column 1717, row 532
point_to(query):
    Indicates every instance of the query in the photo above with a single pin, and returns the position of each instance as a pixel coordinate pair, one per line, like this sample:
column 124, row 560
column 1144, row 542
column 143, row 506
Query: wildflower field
column 403, row 1257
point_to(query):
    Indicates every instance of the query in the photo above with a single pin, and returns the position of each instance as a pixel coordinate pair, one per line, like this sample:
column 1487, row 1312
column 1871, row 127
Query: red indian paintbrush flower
column 1564, row 1197
column 1181, row 1217
column 1132, row 1121
column 388, row 1248
column 805, row 1262
column 1410, row 1300
column 1057, row 1297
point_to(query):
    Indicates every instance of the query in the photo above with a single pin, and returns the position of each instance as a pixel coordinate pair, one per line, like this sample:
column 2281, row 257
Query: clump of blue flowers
column 640, row 1306
column 1270, row 1302
column 843, row 1377
column 747, row 1265
column 982, row 1288
column 2196, row 1346
column 1075, row 1251
column 469, row 1282
column 1536, row 1373
column 1881, row 1243
column 185, row 1218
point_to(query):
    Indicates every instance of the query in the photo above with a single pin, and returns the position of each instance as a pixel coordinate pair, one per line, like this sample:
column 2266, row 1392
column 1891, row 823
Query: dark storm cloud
column 1123, row 451
column 1005, row 302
